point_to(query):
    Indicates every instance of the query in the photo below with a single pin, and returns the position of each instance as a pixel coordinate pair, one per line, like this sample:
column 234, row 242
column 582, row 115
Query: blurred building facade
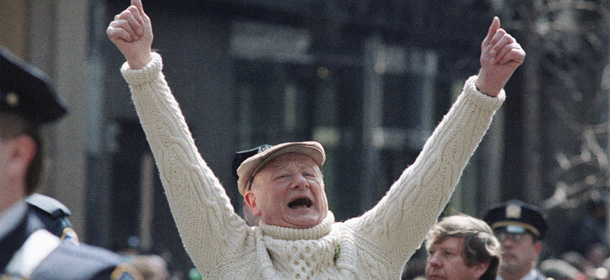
column 368, row 79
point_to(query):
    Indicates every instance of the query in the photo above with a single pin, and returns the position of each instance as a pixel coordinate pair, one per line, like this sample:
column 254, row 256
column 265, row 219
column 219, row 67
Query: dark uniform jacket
column 54, row 216
column 28, row 251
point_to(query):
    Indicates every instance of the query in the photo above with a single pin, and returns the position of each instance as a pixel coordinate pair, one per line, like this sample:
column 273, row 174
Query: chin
column 305, row 223
column 304, row 219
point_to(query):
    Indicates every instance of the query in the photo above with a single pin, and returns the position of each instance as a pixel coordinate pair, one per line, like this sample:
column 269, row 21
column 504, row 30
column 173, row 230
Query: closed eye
column 282, row 177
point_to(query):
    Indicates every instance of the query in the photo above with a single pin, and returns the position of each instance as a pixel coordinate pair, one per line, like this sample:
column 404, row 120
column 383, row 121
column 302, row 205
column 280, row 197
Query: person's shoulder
column 53, row 215
column 48, row 205
column 84, row 261
column 540, row 276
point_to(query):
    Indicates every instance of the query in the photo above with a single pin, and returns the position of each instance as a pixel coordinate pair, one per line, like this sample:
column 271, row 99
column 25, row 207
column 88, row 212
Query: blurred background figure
column 28, row 249
column 462, row 247
column 561, row 270
column 194, row 274
column 520, row 228
column 589, row 233
column 152, row 267
column 239, row 157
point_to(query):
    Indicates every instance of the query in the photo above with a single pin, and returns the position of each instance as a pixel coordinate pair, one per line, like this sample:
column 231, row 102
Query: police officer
column 54, row 215
column 520, row 228
column 27, row 249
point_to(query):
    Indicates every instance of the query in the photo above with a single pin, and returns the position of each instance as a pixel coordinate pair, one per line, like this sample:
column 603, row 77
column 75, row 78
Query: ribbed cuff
column 135, row 77
column 481, row 100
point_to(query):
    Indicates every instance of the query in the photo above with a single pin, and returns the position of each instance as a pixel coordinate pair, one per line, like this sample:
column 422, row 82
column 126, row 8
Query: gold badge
column 513, row 211
column 12, row 99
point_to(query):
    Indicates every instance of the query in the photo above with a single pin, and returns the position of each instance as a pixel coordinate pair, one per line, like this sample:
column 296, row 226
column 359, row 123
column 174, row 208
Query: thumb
column 495, row 25
column 138, row 4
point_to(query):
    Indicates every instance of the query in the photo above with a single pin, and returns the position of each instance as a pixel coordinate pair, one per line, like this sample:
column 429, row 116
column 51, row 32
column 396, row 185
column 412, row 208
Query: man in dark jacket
column 29, row 250
column 462, row 247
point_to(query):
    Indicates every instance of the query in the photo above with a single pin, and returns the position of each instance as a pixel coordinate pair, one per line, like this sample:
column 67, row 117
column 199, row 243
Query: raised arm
column 131, row 32
column 500, row 57
column 208, row 225
column 399, row 222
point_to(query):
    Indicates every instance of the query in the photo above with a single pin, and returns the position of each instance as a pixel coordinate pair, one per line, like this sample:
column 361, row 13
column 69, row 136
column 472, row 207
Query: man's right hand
column 501, row 55
column 131, row 32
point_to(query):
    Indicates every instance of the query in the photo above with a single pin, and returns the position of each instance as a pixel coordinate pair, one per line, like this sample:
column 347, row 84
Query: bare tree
column 564, row 106
column 574, row 83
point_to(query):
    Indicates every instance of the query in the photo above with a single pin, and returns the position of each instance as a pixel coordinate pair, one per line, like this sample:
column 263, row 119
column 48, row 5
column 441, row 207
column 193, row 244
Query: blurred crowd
column 155, row 264
column 583, row 251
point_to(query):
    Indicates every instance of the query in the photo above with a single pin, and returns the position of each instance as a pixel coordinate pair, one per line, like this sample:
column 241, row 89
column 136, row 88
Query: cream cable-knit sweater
column 373, row 246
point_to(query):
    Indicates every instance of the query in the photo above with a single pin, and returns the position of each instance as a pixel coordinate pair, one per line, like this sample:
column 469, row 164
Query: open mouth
column 302, row 202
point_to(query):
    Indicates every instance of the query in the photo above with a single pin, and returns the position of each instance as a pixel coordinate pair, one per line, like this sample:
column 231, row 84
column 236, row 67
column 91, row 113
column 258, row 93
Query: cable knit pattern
column 373, row 246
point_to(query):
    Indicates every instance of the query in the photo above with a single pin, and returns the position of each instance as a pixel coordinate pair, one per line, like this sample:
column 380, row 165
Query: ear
column 538, row 247
column 479, row 269
column 250, row 199
column 22, row 150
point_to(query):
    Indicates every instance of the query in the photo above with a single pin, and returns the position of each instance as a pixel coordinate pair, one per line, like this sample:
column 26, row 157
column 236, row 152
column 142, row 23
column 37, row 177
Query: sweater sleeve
column 398, row 223
column 208, row 225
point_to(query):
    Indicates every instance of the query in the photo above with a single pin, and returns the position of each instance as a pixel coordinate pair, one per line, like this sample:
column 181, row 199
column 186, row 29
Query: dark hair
column 480, row 244
column 14, row 125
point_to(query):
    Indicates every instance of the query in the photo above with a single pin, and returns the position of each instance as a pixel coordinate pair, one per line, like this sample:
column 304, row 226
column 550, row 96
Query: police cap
column 240, row 156
column 27, row 91
column 517, row 217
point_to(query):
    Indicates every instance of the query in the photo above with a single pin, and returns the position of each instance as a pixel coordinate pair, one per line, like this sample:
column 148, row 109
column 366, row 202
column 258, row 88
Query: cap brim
column 515, row 227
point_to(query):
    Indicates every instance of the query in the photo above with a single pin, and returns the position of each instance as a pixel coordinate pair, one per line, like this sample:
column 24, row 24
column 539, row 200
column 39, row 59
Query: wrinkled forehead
column 291, row 160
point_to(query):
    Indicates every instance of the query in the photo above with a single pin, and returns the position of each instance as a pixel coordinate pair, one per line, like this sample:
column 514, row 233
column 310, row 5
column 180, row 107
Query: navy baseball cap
column 516, row 216
column 27, row 91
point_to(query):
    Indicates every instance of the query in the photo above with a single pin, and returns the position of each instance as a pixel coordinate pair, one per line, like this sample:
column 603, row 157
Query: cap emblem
column 513, row 211
column 12, row 99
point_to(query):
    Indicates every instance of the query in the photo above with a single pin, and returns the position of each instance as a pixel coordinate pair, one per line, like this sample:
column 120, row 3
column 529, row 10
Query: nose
column 507, row 243
column 300, row 181
column 434, row 260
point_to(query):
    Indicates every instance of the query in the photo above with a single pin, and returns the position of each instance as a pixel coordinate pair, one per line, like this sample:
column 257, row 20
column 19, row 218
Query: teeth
column 300, row 202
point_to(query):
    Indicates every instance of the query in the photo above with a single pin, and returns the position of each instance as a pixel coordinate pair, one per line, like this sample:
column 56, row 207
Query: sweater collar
column 285, row 233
